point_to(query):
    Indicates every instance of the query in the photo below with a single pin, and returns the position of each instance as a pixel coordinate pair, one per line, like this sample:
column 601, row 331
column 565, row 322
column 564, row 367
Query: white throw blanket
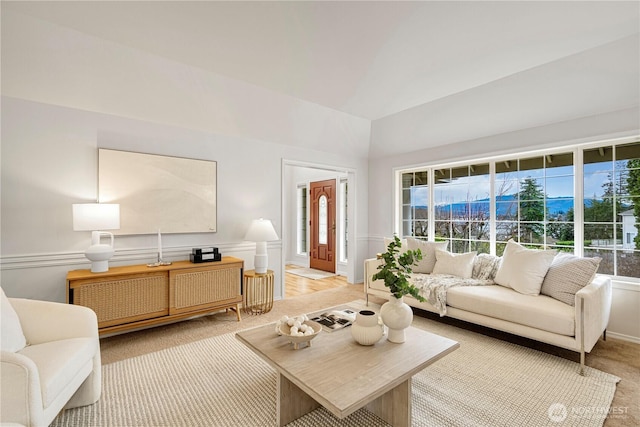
column 434, row 287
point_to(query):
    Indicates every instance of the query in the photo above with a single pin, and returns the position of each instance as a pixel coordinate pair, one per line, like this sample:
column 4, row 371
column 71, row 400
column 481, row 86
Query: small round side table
column 258, row 292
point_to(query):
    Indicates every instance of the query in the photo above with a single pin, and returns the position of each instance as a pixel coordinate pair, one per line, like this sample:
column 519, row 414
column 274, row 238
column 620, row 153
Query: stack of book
column 209, row 254
column 336, row 319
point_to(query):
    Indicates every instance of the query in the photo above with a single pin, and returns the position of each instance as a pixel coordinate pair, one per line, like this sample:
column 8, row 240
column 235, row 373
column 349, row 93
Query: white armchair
column 59, row 367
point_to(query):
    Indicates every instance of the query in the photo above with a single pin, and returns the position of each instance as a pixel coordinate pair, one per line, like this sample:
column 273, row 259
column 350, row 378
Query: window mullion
column 432, row 209
column 492, row 208
column 578, row 202
column 614, row 196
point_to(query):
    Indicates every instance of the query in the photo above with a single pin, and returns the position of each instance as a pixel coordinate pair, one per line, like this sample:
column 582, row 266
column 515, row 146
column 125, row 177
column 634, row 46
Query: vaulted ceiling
column 522, row 64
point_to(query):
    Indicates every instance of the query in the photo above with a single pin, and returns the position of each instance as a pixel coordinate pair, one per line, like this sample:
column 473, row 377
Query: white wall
column 49, row 162
column 65, row 94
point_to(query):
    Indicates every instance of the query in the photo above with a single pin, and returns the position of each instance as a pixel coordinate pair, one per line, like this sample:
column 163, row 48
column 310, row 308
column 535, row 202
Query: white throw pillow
column 524, row 269
column 428, row 249
column 567, row 275
column 403, row 244
column 12, row 337
column 460, row 265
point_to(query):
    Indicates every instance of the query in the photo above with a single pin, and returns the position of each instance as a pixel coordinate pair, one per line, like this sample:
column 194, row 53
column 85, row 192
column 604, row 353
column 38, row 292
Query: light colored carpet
column 311, row 273
column 219, row 382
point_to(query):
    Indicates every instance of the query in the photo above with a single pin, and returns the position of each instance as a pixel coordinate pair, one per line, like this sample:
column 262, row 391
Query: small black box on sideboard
column 205, row 257
column 202, row 251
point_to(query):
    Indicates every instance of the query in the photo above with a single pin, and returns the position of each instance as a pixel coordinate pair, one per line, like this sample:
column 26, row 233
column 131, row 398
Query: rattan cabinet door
column 209, row 287
column 124, row 299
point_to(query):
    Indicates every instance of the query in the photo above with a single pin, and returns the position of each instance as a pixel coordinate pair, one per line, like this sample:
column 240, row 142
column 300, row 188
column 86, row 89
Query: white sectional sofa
column 522, row 312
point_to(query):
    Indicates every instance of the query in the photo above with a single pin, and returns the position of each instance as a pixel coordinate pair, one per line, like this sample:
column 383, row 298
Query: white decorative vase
column 397, row 315
column 368, row 328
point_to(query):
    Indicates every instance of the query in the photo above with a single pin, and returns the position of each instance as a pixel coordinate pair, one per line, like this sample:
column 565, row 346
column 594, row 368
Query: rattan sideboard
column 136, row 296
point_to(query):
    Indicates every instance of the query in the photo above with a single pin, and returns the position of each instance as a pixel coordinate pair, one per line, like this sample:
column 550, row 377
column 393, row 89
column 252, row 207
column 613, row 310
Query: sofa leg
column 582, row 337
column 604, row 335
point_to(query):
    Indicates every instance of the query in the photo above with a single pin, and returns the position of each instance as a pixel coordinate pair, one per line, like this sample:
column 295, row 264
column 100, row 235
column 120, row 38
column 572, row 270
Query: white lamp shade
column 261, row 230
column 96, row 216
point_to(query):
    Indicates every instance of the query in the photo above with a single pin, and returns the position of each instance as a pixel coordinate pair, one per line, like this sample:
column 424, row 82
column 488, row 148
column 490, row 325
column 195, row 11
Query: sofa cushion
column 428, row 249
column 11, row 336
column 62, row 363
column 567, row 275
column 524, row 269
column 485, row 266
column 540, row 312
column 459, row 265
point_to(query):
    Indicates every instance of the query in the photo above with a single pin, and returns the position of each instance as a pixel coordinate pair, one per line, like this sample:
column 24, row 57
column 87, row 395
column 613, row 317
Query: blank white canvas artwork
column 171, row 194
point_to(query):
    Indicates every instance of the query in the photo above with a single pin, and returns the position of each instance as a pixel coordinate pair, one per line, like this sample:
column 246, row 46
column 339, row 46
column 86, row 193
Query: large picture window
column 532, row 199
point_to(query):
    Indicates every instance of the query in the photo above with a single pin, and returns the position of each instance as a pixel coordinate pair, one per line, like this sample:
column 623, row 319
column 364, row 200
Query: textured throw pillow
column 523, row 269
column 11, row 335
column 460, row 265
column 485, row 267
column 567, row 275
column 428, row 249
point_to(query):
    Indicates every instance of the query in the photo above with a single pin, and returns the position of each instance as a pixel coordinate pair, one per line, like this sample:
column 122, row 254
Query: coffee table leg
column 394, row 406
column 292, row 402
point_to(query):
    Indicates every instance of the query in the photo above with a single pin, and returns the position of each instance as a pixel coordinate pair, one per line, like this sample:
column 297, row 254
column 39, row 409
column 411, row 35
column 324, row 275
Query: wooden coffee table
column 344, row 376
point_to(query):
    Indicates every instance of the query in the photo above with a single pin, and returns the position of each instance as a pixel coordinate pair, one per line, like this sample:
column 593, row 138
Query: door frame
column 352, row 250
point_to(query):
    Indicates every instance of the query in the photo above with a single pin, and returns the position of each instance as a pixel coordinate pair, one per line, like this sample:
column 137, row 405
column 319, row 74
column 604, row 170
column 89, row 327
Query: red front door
column 323, row 225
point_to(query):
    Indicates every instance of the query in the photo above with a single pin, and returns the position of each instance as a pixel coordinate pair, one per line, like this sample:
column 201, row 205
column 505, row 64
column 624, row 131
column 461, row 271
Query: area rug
column 311, row 273
column 220, row 382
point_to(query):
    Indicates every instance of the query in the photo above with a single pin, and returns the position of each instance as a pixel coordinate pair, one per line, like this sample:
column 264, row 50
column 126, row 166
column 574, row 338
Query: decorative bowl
column 296, row 340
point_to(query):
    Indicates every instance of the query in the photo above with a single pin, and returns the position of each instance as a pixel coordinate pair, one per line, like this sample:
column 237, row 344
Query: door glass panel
column 322, row 220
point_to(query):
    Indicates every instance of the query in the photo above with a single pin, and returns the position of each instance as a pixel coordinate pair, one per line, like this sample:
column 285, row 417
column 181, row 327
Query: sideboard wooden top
column 142, row 268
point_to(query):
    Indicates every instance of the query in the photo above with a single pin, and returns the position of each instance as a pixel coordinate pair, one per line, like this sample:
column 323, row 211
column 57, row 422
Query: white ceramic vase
column 367, row 328
column 397, row 316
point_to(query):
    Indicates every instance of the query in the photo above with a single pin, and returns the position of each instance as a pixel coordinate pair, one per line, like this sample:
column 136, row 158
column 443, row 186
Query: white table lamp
column 96, row 217
column 261, row 231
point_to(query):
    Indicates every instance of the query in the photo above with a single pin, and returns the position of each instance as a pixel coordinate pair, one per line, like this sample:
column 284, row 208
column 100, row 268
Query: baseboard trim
column 623, row 337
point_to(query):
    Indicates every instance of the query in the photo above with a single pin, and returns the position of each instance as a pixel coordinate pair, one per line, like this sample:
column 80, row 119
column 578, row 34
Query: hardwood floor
column 297, row 285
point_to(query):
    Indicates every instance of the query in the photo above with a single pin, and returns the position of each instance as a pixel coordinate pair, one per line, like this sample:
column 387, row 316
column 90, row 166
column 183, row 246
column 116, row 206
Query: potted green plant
column 394, row 272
